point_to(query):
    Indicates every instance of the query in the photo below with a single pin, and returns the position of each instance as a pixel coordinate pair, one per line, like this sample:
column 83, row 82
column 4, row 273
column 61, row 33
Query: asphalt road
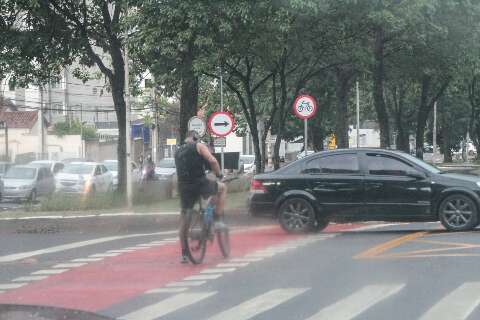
column 127, row 268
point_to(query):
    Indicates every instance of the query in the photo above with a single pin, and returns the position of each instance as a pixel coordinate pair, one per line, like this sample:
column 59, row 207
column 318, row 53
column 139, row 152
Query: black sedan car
column 365, row 185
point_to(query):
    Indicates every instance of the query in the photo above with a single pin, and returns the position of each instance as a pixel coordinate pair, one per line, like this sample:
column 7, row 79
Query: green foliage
column 75, row 127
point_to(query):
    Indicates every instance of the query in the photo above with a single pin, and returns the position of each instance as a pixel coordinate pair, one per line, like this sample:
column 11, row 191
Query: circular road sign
column 304, row 107
column 197, row 124
column 221, row 123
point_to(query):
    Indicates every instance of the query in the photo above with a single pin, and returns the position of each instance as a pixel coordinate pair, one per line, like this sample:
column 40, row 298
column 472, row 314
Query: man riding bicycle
column 191, row 161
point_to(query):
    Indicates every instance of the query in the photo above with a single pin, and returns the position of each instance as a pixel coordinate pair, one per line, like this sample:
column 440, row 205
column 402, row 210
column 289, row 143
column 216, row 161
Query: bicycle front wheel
column 223, row 239
column 195, row 237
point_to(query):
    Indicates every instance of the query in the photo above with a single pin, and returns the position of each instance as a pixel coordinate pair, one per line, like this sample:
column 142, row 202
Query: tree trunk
column 422, row 117
column 188, row 95
column 344, row 75
column 118, row 84
column 378, row 87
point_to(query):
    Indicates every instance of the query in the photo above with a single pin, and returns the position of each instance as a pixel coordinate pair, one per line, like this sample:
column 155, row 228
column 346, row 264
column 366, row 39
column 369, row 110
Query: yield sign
column 221, row 123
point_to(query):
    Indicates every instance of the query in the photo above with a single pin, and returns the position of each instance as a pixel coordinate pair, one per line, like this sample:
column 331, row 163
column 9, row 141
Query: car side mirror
column 416, row 174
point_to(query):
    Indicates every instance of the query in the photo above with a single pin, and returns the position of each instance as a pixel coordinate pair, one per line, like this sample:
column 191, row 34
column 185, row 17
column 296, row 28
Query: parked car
column 365, row 185
column 70, row 160
column 301, row 154
column 4, row 166
column 53, row 166
column 27, row 182
column 112, row 166
column 84, row 178
column 165, row 169
column 247, row 163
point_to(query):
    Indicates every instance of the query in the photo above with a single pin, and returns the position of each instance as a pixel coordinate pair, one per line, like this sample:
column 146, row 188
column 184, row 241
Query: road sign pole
column 305, row 137
column 222, row 156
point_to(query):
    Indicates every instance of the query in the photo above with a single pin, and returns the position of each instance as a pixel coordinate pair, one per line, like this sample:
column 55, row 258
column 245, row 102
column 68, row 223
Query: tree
column 90, row 32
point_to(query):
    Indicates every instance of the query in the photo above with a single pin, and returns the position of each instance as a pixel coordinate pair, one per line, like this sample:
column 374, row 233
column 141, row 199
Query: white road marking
column 358, row 302
column 167, row 306
column 120, row 251
column 51, row 271
column 145, row 245
column 260, row 255
column 459, row 304
column 246, row 259
column 103, row 255
column 132, row 248
column 232, row 265
column 259, row 304
column 69, row 265
column 1, row 291
column 217, row 270
column 170, row 239
column 87, row 259
column 75, row 245
column 166, row 290
column 29, row 278
column 8, row 286
column 186, row 284
column 203, row 277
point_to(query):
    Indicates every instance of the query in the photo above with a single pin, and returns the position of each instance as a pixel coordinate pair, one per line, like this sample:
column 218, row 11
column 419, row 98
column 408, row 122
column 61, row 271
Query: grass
column 64, row 205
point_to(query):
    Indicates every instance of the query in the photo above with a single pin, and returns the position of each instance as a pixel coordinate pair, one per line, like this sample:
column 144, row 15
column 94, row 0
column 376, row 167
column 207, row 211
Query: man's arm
column 205, row 153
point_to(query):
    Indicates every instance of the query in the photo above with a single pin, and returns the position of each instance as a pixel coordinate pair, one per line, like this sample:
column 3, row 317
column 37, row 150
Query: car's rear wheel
column 320, row 224
column 296, row 215
column 458, row 213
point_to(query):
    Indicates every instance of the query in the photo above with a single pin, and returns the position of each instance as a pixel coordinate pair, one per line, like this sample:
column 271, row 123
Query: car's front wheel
column 458, row 213
column 296, row 215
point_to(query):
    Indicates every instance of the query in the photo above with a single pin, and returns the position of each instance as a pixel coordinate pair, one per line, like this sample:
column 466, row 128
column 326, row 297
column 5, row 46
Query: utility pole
column 434, row 132
column 42, row 129
column 358, row 116
column 155, row 119
column 66, row 102
column 127, row 121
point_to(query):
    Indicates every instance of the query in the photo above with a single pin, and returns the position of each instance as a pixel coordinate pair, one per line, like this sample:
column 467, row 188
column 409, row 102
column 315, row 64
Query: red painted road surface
column 102, row 284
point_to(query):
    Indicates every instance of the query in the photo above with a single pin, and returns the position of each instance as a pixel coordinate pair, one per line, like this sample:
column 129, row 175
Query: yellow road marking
column 377, row 250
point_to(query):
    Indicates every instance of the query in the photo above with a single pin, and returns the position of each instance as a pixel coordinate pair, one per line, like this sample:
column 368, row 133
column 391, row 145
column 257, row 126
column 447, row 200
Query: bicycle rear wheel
column 195, row 237
column 223, row 238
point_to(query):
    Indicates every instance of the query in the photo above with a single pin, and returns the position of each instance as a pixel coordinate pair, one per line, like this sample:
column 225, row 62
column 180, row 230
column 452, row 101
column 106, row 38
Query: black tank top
column 190, row 164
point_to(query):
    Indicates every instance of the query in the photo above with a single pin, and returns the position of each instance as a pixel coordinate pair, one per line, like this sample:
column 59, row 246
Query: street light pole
column 127, row 121
column 222, row 156
column 434, row 132
column 358, row 116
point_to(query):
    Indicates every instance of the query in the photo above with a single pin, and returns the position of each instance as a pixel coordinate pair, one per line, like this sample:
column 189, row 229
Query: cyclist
column 191, row 161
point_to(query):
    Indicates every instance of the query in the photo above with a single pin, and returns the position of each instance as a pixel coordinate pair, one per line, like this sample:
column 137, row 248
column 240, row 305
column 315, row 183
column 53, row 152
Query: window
column 337, row 164
column 384, row 165
column 41, row 174
column 58, row 167
column 104, row 169
column 98, row 171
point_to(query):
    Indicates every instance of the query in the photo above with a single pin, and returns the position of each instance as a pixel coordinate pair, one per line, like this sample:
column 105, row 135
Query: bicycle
column 304, row 106
column 199, row 228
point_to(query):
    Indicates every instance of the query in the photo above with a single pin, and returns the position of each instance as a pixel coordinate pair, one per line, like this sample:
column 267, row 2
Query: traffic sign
column 304, row 107
column 198, row 125
column 221, row 123
column 171, row 142
column 220, row 142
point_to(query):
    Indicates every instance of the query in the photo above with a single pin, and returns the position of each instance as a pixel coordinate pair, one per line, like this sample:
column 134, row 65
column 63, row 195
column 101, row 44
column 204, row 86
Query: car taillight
column 257, row 187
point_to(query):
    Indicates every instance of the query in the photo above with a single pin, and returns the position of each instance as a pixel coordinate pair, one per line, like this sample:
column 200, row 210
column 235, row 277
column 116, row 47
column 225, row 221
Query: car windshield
column 20, row 173
column 247, row 160
column 111, row 165
column 422, row 164
column 78, row 168
column 166, row 163
column 40, row 164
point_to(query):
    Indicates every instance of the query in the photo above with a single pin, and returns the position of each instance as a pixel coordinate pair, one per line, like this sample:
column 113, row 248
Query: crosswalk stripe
column 49, row 272
column 232, row 265
column 259, row 304
column 86, row 259
column 8, row 286
column 186, row 284
column 167, row 306
column 166, row 290
column 204, row 277
column 69, row 265
column 29, row 278
column 217, row 270
column 120, row 251
column 246, row 259
column 459, row 304
column 358, row 302
column 103, row 255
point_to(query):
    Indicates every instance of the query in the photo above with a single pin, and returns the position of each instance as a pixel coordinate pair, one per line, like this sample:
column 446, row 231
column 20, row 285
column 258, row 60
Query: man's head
column 192, row 136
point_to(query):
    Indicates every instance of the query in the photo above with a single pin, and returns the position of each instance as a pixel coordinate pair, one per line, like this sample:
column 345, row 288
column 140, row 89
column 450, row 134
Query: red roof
column 19, row 119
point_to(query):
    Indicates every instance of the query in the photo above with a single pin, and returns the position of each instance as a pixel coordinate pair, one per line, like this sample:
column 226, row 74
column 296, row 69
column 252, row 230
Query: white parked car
column 54, row 166
column 84, row 178
column 247, row 162
column 26, row 182
column 112, row 166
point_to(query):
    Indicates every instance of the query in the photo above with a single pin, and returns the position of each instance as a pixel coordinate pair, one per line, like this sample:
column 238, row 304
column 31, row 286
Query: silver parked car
column 84, row 178
column 112, row 166
column 26, row 182
column 54, row 166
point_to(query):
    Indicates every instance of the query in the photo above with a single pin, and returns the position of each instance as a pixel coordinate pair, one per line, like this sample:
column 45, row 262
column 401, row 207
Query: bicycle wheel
column 223, row 239
column 195, row 237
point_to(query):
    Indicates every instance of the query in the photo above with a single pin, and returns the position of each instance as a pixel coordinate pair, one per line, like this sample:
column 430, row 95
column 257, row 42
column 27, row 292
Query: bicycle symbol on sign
column 304, row 105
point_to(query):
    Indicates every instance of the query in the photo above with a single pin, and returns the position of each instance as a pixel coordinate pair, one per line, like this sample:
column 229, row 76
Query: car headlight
column 478, row 183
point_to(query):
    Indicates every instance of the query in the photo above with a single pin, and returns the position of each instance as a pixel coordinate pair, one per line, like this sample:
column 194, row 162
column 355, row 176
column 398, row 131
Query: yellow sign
column 332, row 142
column 171, row 142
